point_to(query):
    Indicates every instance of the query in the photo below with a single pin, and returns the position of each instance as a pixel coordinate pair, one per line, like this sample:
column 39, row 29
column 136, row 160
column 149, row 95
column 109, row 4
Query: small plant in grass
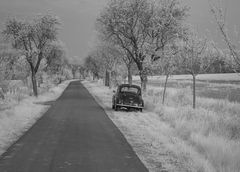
column 169, row 66
column 194, row 58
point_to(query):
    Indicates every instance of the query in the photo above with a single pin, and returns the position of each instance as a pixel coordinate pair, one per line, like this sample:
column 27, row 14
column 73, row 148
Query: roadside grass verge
column 213, row 129
column 206, row 77
column 174, row 137
column 18, row 117
column 15, row 91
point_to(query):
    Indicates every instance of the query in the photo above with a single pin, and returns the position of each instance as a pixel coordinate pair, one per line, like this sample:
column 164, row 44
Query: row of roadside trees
column 148, row 37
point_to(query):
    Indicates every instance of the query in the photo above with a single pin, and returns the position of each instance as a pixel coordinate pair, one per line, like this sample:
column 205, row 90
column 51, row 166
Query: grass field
column 234, row 77
column 174, row 137
column 217, row 86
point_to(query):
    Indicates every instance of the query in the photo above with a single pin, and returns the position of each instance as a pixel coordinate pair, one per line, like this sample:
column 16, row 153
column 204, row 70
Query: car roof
column 129, row 85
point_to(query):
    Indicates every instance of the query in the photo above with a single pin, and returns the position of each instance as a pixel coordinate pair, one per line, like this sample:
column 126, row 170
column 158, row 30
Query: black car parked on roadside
column 128, row 96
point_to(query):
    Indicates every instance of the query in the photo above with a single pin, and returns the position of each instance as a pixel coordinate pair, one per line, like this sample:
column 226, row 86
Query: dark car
column 128, row 96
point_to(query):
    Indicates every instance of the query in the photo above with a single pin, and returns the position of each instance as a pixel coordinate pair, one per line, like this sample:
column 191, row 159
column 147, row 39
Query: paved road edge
column 25, row 129
column 109, row 114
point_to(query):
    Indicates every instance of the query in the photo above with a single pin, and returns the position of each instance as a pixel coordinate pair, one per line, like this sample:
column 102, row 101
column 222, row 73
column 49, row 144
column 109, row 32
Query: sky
column 78, row 19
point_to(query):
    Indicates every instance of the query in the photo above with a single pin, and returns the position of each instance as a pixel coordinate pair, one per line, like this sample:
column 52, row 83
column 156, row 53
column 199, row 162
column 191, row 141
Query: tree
column 93, row 65
column 8, row 62
column 110, row 57
column 128, row 61
column 221, row 61
column 114, row 55
column 194, row 59
column 82, row 70
column 135, row 27
column 56, row 59
column 167, row 29
column 219, row 14
column 125, row 23
column 32, row 38
column 167, row 26
column 169, row 64
column 20, row 69
column 74, row 68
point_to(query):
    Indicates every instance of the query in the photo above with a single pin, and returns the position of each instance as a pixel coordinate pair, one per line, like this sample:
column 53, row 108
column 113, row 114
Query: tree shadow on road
column 46, row 103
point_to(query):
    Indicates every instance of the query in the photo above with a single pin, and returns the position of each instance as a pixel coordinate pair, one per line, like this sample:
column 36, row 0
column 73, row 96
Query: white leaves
column 219, row 14
column 32, row 35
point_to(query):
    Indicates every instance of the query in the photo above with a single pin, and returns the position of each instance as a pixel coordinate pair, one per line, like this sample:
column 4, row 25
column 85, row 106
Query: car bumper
column 129, row 106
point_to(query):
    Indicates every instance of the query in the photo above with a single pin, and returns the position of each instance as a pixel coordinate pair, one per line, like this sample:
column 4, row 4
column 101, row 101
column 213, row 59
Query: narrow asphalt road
column 74, row 135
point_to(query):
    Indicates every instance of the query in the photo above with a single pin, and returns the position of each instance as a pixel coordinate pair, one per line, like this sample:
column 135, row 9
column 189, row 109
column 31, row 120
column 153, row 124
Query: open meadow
column 218, row 86
column 175, row 137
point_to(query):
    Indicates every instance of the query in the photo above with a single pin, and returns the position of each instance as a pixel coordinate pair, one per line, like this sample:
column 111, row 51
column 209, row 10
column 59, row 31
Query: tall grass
column 15, row 94
column 212, row 130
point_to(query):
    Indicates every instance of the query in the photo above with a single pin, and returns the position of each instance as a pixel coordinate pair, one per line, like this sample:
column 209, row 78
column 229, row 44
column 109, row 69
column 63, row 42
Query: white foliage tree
column 219, row 13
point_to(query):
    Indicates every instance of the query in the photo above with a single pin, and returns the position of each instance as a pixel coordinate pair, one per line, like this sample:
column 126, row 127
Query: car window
column 130, row 89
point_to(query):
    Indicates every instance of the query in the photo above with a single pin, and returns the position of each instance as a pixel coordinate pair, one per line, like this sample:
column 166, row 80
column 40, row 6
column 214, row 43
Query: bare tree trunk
column 110, row 79
column 194, row 91
column 129, row 75
column 143, row 78
column 34, row 84
column 33, row 75
column 2, row 94
column 107, row 82
column 165, row 88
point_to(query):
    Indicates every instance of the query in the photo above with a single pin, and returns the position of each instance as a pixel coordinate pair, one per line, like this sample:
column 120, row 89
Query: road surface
column 74, row 135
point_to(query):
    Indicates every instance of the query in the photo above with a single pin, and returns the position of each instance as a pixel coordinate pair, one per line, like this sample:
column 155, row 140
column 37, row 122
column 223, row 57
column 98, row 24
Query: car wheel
column 140, row 110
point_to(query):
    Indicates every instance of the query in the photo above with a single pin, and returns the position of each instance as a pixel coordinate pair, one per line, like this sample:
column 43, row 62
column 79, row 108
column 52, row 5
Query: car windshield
column 130, row 90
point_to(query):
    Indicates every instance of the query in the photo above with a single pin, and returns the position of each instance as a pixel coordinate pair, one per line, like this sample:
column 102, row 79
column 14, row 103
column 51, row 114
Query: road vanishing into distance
column 74, row 135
